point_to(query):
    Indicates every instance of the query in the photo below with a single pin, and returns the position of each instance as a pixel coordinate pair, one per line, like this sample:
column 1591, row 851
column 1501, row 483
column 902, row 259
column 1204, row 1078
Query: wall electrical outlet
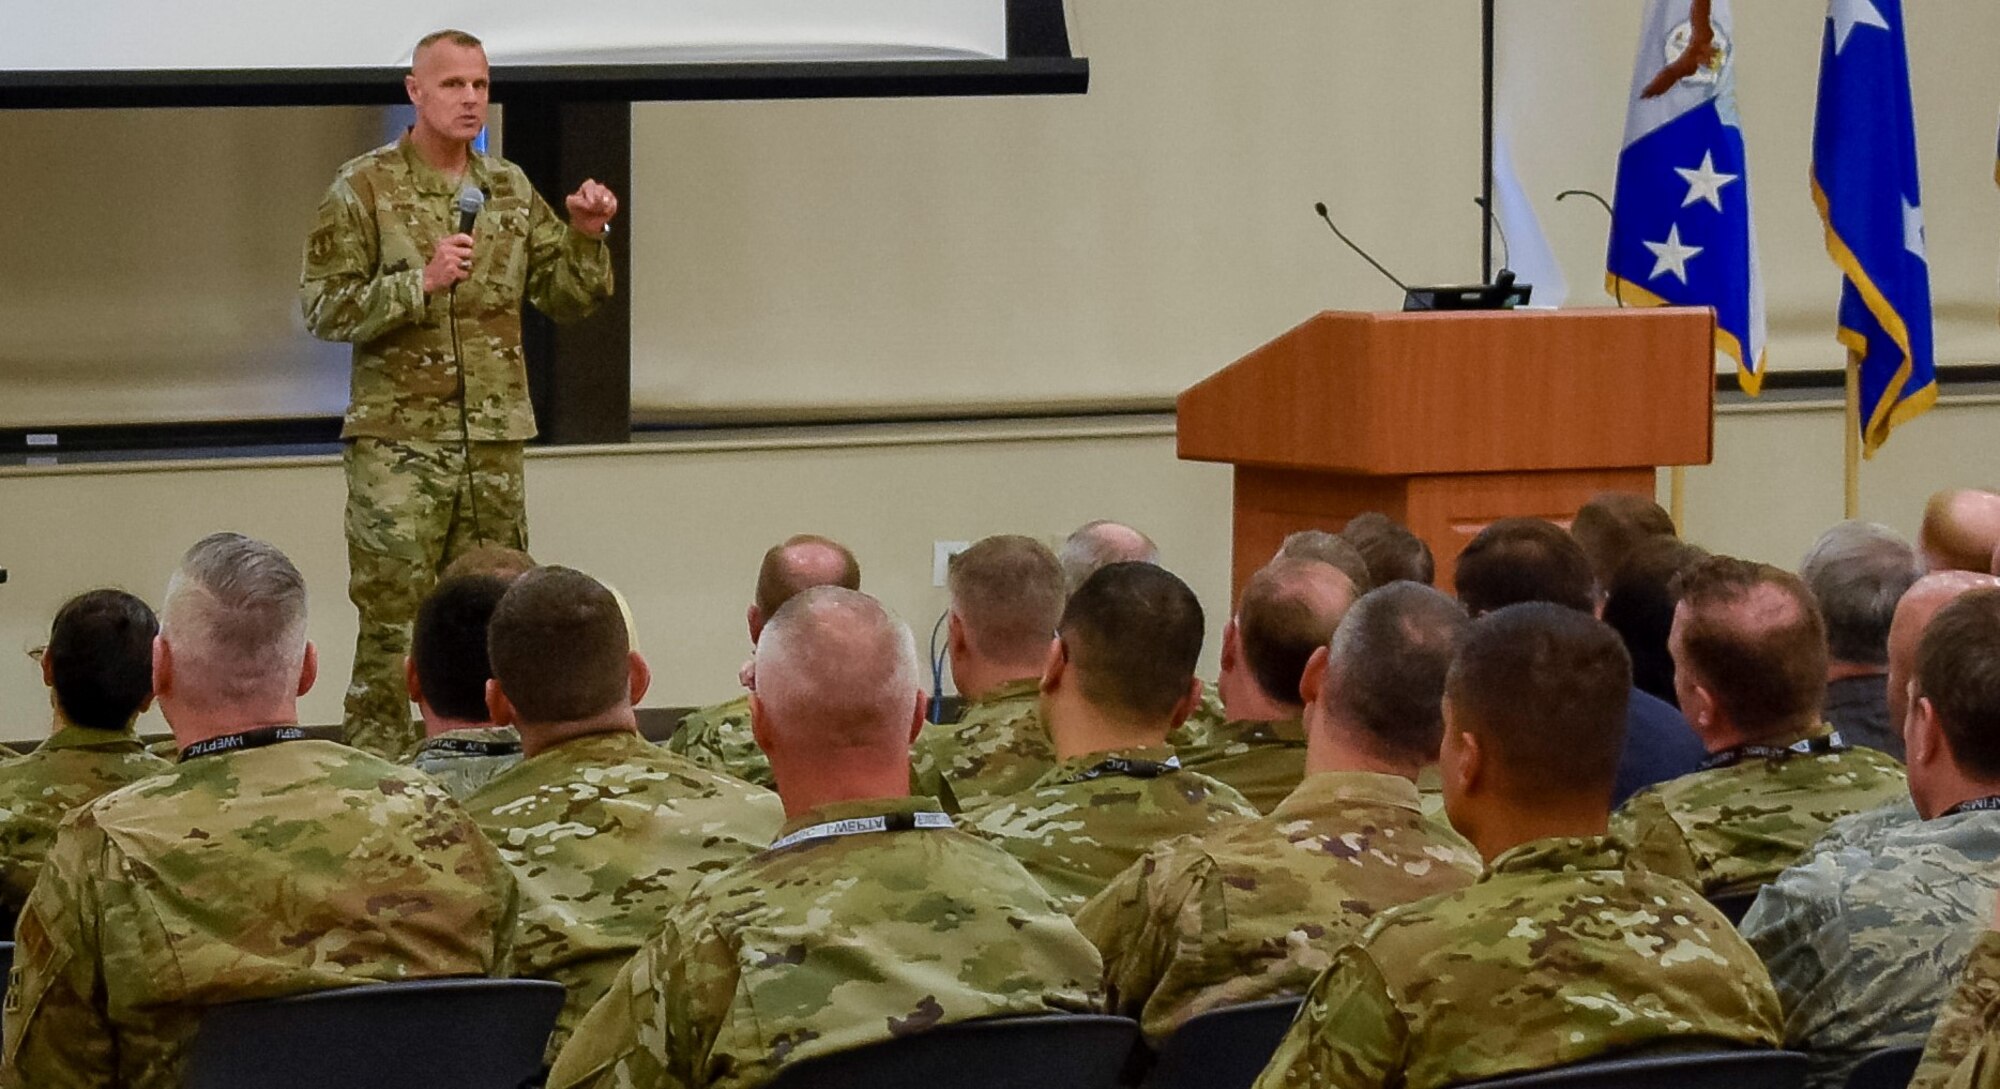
column 941, row 554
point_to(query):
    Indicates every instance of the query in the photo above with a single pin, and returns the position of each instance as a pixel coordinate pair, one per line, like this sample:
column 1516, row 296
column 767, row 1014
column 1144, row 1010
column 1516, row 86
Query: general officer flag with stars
column 1680, row 223
column 1864, row 179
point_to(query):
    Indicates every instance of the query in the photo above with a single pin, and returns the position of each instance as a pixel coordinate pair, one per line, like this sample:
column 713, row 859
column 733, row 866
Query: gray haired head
column 1858, row 571
column 235, row 615
column 1100, row 544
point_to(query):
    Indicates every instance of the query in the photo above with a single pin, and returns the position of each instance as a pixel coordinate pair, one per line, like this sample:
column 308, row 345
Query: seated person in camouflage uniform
column 718, row 737
column 1101, row 543
column 1864, row 938
column 99, row 670
column 1119, row 678
column 265, row 863
column 1257, row 909
column 1391, row 551
column 1857, row 572
column 446, row 673
column 1006, row 595
column 1963, row 1050
column 870, row 917
column 1287, row 611
column 1563, row 952
column 1750, row 664
column 605, row 830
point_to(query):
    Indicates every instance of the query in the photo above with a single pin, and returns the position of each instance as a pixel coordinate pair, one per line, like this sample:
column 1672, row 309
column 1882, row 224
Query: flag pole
column 1486, row 19
column 1852, row 495
column 1677, row 498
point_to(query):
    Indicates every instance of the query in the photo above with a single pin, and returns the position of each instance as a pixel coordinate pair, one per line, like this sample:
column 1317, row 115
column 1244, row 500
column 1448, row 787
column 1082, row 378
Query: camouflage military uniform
column 1264, row 761
column 1207, row 717
column 827, row 944
column 462, row 761
column 605, row 833
column 997, row 747
column 1964, row 1046
column 430, row 475
column 1728, row 829
column 256, row 873
column 72, row 767
column 1091, row 816
column 1256, row 909
column 1561, row 953
column 718, row 738
column 1864, row 939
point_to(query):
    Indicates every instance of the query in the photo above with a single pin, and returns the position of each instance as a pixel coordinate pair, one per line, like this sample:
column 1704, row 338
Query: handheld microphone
column 1320, row 207
column 1506, row 251
column 470, row 201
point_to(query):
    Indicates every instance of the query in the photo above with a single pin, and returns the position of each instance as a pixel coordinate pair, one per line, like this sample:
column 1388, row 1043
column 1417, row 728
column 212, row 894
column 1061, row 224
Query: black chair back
column 1223, row 1049
column 421, row 1034
column 1734, row 906
column 1889, row 1068
column 1059, row 1051
column 1688, row 1070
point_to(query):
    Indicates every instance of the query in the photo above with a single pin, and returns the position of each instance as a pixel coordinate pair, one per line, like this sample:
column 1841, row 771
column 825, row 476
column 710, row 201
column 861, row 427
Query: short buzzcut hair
column 1858, row 571
column 1392, row 552
column 1958, row 670
column 499, row 561
column 1330, row 549
column 1133, row 634
column 559, row 647
column 1288, row 610
column 1517, row 560
column 235, row 616
column 1612, row 524
column 455, row 37
column 1100, row 543
column 838, row 670
column 1544, row 688
column 100, row 656
column 448, row 644
column 799, row 563
column 1765, row 666
column 1387, row 665
column 1008, row 592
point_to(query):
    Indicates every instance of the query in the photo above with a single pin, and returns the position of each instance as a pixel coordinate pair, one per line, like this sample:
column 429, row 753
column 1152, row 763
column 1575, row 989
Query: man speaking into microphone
column 420, row 256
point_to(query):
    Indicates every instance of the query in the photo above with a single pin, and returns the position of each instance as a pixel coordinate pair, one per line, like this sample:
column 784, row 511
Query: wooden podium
column 1447, row 422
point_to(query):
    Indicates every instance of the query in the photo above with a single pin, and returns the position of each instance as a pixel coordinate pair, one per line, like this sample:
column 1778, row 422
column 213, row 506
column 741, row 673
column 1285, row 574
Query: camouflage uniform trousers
column 413, row 507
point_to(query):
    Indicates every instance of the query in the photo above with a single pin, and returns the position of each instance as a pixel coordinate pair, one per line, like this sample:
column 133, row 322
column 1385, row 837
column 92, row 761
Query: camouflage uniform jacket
column 1964, row 1046
column 606, row 833
column 74, row 766
column 462, row 761
column 249, row 874
column 1206, row 718
column 1728, row 830
column 1863, row 940
column 827, row 944
column 1257, row 909
column 1264, row 761
column 1092, row 816
column 1561, row 953
column 363, row 283
column 718, row 738
column 997, row 747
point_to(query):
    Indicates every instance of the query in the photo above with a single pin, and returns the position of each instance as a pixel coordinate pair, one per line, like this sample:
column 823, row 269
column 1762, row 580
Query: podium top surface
column 1399, row 394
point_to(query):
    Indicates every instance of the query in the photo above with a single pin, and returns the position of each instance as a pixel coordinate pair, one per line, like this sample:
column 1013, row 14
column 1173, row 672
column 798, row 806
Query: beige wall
column 679, row 527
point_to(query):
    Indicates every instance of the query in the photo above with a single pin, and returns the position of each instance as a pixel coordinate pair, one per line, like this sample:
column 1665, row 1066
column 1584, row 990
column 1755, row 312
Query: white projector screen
column 192, row 35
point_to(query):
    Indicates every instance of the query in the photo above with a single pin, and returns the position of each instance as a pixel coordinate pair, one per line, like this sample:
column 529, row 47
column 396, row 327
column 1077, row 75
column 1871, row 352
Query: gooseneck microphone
column 1506, row 251
column 1320, row 207
column 470, row 200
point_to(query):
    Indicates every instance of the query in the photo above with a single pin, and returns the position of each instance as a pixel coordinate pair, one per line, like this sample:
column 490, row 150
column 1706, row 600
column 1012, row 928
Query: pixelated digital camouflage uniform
column 1728, row 830
column 1560, row 953
column 431, row 475
column 1963, row 1051
column 1256, row 909
column 1264, row 761
column 1091, row 816
column 248, row 874
column 1864, row 938
column 606, row 833
column 997, row 747
column 464, row 760
column 827, row 945
column 75, row 765
column 718, row 738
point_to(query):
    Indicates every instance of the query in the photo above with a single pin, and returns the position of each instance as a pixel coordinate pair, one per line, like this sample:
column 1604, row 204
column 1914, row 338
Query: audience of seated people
column 1287, row 611
column 1857, row 572
column 1391, row 551
column 718, row 737
column 446, row 673
column 1257, row 909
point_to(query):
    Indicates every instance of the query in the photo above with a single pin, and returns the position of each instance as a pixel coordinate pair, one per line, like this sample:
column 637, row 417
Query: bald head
column 799, row 564
column 1914, row 613
column 1288, row 610
column 1100, row 544
column 1961, row 530
column 837, row 675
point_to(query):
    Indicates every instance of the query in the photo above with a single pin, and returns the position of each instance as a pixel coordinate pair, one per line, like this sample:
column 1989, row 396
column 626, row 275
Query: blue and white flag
column 1680, row 222
column 1864, row 179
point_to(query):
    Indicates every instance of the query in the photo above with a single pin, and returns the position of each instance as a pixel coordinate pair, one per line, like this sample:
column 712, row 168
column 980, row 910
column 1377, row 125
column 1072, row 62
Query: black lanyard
column 249, row 739
column 1809, row 746
column 1988, row 804
column 1136, row 769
